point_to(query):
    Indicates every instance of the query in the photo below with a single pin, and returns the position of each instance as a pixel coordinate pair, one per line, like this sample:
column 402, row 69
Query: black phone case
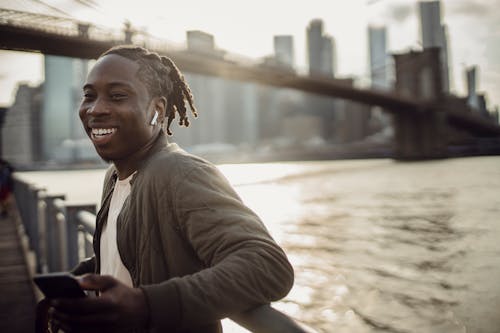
column 59, row 286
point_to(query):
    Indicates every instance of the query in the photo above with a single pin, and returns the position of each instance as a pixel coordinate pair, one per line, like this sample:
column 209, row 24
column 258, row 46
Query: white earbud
column 155, row 118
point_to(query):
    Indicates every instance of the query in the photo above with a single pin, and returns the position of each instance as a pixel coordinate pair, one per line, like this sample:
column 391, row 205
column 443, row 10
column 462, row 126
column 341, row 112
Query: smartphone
column 59, row 285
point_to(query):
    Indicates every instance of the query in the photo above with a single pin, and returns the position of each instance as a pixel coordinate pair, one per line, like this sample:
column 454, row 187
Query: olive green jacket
column 190, row 243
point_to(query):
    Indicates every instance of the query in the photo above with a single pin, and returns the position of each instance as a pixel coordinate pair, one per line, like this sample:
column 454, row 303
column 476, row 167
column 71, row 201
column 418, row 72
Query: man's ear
column 160, row 105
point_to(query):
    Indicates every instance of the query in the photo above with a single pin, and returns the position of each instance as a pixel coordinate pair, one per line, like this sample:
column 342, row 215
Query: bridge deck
column 17, row 298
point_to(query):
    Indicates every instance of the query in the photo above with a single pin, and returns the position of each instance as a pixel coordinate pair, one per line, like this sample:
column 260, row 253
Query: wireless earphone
column 155, row 117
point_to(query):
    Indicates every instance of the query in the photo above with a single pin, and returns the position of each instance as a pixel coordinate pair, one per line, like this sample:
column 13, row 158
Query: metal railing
column 60, row 235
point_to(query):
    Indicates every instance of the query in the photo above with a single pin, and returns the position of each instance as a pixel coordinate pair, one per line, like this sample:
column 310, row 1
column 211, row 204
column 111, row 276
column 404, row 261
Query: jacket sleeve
column 245, row 267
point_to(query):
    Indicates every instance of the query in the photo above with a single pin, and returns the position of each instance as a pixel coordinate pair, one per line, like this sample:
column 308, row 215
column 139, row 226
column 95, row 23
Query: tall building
column 63, row 136
column 472, row 96
column 283, row 50
column 327, row 56
column 434, row 35
column 430, row 19
column 320, row 50
column 21, row 137
column 380, row 67
column 379, row 59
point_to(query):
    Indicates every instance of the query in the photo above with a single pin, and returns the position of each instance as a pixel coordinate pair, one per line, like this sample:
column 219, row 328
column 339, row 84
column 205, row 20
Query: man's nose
column 98, row 107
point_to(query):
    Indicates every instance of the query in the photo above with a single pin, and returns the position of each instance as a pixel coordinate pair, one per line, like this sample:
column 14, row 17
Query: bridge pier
column 420, row 133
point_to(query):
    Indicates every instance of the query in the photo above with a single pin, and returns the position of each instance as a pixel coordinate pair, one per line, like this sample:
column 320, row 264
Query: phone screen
column 59, row 285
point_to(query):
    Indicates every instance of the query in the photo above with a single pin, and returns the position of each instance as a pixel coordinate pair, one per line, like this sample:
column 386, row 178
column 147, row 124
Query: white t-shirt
column 111, row 262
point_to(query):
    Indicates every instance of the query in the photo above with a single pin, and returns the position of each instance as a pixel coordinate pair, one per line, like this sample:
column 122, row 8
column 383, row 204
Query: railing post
column 27, row 201
column 87, row 243
column 52, row 240
column 34, row 234
column 42, row 225
column 61, row 234
column 87, row 240
column 49, row 234
column 72, row 231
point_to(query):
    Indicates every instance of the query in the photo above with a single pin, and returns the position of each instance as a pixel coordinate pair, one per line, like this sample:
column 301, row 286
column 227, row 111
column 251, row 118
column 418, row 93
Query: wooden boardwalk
column 17, row 298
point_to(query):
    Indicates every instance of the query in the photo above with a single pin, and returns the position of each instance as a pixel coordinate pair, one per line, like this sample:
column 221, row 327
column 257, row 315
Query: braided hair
column 163, row 79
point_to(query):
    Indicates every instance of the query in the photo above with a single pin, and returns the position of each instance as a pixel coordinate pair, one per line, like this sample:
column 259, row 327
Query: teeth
column 103, row 131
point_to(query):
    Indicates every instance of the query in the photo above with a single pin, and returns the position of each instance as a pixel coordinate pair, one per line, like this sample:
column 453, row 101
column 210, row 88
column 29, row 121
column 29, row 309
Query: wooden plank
column 17, row 300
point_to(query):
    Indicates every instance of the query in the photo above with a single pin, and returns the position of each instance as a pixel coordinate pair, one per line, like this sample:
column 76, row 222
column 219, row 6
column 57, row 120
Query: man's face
column 116, row 108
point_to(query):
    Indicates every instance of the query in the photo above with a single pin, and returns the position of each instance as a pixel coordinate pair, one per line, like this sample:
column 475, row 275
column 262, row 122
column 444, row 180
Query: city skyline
column 400, row 17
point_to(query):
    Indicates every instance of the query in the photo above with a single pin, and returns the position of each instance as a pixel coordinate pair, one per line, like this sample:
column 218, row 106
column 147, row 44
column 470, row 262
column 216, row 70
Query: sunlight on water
column 273, row 204
column 240, row 174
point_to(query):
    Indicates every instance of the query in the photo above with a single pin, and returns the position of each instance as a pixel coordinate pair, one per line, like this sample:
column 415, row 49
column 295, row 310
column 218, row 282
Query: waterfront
column 377, row 245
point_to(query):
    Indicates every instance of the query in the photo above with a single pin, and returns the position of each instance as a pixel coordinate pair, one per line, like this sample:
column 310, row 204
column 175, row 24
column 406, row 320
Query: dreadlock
column 163, row 79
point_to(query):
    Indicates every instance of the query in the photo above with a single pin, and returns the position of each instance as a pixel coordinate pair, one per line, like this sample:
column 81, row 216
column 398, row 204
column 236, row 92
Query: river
column 377, row 245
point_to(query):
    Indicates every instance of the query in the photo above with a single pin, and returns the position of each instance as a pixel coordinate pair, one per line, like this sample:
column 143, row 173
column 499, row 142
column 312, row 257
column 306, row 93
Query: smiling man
column 176, row 250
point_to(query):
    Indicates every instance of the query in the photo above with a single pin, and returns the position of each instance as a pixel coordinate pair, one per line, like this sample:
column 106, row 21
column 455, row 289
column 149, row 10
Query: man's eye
column 88, row 95
column 117, row 97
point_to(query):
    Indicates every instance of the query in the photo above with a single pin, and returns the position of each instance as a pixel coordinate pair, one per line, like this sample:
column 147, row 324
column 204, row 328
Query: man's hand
column 118, row 308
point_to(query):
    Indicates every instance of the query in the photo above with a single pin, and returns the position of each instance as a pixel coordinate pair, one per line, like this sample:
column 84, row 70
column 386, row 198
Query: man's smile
column 102, row 135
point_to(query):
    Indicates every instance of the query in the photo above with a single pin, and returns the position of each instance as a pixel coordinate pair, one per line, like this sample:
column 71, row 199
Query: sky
column 247, row 28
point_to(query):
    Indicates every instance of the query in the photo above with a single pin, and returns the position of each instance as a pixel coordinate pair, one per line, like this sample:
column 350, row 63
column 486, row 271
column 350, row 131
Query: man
column 175, row 248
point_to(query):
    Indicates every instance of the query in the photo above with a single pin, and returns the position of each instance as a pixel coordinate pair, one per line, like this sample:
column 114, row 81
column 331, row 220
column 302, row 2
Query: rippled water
column 377, row 245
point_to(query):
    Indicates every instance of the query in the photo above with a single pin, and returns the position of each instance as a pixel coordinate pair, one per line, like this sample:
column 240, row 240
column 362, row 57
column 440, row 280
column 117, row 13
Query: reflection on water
column 381, row 246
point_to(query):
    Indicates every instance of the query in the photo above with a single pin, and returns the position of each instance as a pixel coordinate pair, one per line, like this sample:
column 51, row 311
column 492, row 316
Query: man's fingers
column 42, row 316
column 118, row 305
column 82, row 305
column 97, row 282
column 90, row 322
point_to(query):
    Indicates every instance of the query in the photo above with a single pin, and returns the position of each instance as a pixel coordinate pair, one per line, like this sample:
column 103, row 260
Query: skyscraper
column 434, row 35
column 21, row 137
column 379, row 60
column 320, row 50
column 327, row 56
column 283, row 50
column 63, row 137
column 379, row 73
column 472, row 96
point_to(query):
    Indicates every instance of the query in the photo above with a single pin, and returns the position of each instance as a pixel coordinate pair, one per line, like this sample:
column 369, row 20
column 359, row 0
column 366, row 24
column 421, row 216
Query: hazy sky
column 248, row 27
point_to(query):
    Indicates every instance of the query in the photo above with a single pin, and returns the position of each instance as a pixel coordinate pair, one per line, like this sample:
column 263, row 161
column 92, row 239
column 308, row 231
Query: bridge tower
column 419, row 134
